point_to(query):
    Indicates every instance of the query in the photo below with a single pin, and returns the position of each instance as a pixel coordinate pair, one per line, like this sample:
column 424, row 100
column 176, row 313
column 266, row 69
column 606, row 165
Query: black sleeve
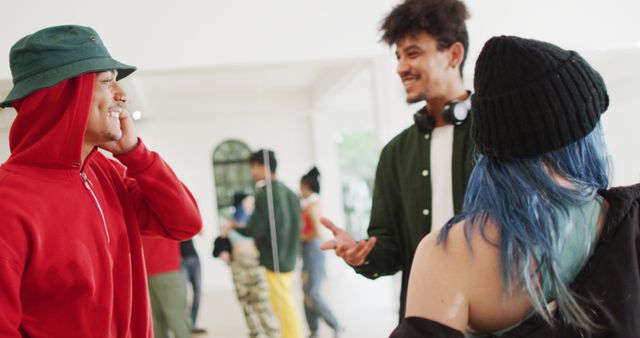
column 415, row 327
column 385, row 258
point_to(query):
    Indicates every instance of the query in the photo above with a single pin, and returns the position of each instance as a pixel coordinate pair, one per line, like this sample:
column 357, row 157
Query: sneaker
column 338, row 332
column 313, row 335
column 197, row 330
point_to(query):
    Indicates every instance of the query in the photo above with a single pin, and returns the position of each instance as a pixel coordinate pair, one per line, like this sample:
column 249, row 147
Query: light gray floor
column 364, row 307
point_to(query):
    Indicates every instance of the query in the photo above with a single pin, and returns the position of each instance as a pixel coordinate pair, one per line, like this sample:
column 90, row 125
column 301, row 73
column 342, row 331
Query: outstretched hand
column 354, row 253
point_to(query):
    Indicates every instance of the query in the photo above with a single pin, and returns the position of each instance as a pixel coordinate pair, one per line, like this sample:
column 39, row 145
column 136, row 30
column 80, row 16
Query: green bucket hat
column 54, row 54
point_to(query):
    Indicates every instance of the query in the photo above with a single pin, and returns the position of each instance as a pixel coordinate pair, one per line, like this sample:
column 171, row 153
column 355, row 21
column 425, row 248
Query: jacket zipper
column 88, row 185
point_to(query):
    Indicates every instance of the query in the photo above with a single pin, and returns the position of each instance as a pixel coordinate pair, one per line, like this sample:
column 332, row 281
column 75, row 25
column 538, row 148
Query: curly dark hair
column 442, row 19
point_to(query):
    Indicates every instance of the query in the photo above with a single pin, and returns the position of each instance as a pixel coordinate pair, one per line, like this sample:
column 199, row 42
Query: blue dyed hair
column 519, row 196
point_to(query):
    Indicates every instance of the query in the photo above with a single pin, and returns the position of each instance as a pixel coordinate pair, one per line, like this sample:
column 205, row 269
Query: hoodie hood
column 50, row 126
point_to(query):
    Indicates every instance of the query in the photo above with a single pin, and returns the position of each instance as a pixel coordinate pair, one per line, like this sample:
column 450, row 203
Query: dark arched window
column 231, row 172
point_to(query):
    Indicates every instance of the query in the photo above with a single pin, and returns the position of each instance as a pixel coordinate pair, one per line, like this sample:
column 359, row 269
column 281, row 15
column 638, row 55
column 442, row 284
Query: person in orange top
column 313, row 268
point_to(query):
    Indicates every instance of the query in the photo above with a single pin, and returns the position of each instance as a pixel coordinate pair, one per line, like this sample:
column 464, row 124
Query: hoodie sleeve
column 9, row 298
column 12, row 252
column 164, row 206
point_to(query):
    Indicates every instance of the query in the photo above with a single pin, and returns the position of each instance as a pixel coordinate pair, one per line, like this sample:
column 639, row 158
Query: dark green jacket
column 288, row 223
column 402, row 193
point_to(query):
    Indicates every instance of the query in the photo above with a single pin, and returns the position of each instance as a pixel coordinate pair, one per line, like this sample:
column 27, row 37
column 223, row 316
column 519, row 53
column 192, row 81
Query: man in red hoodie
column 71, row 258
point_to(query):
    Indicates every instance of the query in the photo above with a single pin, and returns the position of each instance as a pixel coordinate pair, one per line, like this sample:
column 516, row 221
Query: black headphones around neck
column 454, row 112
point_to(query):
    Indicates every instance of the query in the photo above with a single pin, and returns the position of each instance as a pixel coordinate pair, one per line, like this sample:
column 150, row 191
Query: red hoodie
column 161, row 255
column 71, row 260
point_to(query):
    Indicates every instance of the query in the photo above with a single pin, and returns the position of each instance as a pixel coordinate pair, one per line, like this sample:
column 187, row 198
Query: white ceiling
column 200, row 47
column 196, row 34
column 208, row 33
column 249, row 78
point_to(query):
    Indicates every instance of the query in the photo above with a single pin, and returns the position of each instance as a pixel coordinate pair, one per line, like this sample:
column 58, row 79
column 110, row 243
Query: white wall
column 620, row 123
column 6, row 118
column 185, row 130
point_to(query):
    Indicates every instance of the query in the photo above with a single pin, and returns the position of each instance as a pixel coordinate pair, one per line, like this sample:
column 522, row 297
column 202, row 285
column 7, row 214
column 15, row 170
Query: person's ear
column 456, row 54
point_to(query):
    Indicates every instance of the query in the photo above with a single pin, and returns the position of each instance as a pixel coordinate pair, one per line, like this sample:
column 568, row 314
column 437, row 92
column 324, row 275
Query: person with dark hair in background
column 71, row 257
column 423, row 171
column 248, row 276
column 542, row 248
column 190, row 266
column 313, row 266
column 275, row 226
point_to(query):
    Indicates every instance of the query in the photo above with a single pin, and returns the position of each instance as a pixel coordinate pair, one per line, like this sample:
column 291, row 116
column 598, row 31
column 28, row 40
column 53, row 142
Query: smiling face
column 104, row 112
column 424, row 70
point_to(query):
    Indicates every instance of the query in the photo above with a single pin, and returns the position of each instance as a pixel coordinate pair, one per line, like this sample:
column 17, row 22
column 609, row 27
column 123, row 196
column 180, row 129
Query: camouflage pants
column 251, row 290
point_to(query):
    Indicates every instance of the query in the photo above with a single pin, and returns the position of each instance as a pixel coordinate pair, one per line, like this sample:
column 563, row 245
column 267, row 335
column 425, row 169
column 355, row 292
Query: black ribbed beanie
column 532, row 97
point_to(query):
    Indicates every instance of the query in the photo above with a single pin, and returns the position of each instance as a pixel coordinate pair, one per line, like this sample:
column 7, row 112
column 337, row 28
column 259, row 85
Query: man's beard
column 416, row 99
column 112, row 136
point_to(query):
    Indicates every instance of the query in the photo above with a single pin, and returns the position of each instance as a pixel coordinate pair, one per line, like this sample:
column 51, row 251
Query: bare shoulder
column 493, row 308
column 314, row 207
column 460, row 253
column 458, row 282
column 439, row 280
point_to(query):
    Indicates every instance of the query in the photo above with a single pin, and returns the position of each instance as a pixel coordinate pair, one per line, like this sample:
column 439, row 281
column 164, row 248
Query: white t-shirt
column 441, row 190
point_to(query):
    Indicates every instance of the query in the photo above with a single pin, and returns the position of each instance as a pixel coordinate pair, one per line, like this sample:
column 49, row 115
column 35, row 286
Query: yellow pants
column 281, row 296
